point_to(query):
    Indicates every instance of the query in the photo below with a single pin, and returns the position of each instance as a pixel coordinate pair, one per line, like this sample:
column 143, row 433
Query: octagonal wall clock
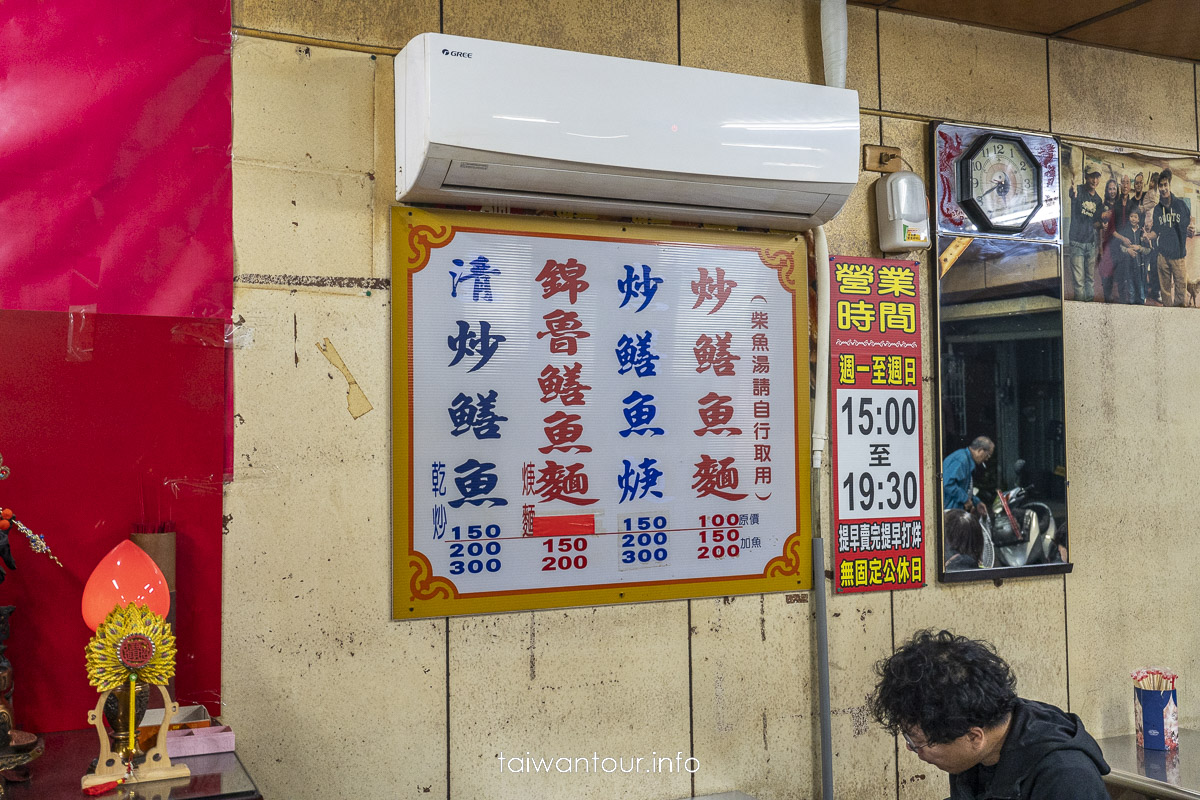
column 996, row 183
column 999, row 183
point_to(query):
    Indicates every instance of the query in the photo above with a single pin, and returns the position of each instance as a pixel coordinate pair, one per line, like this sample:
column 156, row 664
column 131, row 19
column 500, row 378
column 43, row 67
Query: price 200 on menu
column 875, row 371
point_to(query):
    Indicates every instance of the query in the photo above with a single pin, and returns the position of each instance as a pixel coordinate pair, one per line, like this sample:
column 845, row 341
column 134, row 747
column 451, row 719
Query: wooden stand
column 157, row 765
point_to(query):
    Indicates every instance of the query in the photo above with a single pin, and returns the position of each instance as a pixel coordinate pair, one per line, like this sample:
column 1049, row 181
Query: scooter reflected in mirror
column 1022, row 529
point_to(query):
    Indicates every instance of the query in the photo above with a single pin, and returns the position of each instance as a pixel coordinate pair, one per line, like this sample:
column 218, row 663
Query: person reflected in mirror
column 964, row 540
column 1131, row 250
column 1086, row 208
column 954, row 702
column 958, row 470
column 1060, row 544
column 1171, row 227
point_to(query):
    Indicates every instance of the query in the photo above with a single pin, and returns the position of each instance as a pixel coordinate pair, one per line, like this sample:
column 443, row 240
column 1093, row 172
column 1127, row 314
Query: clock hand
column 1000, row 183
column 989, row 191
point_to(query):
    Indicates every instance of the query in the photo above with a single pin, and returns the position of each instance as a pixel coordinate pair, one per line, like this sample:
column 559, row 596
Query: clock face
column 1000, row 184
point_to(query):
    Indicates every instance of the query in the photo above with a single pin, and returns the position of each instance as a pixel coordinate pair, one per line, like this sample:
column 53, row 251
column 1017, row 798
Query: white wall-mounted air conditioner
column 495, row 124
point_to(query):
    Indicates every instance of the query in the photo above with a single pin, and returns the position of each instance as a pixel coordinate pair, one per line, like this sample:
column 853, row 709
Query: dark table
column 219, row 776
column 1155, row 773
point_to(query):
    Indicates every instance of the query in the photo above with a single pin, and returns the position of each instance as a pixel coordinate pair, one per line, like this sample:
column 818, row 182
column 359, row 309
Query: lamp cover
column 126, row 575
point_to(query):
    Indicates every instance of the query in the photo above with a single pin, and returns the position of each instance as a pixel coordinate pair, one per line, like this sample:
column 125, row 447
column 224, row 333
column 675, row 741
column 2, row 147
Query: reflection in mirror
column 1002, row 409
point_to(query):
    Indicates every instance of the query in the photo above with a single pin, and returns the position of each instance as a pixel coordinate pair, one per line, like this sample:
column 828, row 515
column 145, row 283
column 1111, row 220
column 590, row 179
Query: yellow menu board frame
column 417, row 236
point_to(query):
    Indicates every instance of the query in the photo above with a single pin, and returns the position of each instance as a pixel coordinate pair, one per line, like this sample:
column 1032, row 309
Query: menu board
column 589, row 413
column 875, row 365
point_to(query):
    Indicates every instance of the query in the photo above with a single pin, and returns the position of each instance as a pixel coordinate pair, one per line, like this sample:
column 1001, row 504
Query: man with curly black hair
column 954, row 701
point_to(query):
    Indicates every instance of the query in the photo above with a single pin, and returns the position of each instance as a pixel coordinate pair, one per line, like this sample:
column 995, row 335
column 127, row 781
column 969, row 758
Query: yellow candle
column 132, row 716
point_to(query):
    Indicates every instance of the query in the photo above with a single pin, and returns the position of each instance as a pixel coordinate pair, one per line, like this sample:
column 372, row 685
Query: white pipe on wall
column 834, row 41
column 834, row 46
column 820, row 406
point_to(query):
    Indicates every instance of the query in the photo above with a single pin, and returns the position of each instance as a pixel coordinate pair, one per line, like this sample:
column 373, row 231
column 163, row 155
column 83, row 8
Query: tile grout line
column 1049, row 96
column 448, row 795
column 679, row 32
column 691, row 699
column 895, row 743
column 1083, row 23
column 878, row 68
column 1066, row 643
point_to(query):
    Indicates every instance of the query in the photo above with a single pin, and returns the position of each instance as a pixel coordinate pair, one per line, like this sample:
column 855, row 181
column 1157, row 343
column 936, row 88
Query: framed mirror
column 998, row 316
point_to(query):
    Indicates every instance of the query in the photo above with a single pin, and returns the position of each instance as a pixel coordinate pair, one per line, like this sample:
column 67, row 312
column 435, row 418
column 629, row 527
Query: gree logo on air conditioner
column 455, row 53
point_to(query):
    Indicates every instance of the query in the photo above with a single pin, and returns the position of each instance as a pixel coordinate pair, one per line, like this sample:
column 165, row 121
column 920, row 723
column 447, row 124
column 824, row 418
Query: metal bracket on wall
column 881, row 159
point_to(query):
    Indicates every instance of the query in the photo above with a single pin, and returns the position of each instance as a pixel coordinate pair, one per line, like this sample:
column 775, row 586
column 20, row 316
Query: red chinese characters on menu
column 875, row 376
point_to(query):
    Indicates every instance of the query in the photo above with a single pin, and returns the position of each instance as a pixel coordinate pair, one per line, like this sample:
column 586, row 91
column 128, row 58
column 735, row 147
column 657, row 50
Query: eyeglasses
column 916, row 748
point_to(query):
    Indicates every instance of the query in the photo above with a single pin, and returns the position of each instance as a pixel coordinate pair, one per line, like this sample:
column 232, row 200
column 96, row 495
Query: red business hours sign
column 875, row 350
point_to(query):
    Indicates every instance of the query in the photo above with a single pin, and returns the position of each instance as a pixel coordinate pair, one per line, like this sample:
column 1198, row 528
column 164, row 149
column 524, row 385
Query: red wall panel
column 99, row 423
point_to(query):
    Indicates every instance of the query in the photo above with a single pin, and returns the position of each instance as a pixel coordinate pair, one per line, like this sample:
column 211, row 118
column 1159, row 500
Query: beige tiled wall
column 545, row 683
column 1132, row 441
column 1133, row 98
column 751, row 698
column 332, row 699
column 304, row 155
column 372, row 23
column 645, row 30
column 949, row 71
column 776, row 40
column 310, row 662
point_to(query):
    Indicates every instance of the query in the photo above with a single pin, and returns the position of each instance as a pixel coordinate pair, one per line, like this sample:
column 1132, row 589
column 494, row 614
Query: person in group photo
column 1083, row 237
column 1131, row 251
column 1139, row 188
column 1125, row 200
column 1106, row 291
column 1171, row 227
column 1149, row 199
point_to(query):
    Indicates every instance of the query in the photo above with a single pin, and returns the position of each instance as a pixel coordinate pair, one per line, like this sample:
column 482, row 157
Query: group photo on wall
column 1127, row 228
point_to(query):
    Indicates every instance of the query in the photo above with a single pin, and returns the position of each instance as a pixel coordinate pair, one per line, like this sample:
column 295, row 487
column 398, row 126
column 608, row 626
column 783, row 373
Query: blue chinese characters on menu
column 473, row 483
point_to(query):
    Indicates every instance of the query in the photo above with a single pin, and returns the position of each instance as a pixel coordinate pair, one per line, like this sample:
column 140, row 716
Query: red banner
column 102, row 429
column 116, row 195
column 115, row 183
column 875, row 373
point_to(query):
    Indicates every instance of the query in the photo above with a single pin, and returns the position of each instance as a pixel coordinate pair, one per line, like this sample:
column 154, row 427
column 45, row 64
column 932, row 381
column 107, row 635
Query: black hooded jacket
column 1047, row 755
